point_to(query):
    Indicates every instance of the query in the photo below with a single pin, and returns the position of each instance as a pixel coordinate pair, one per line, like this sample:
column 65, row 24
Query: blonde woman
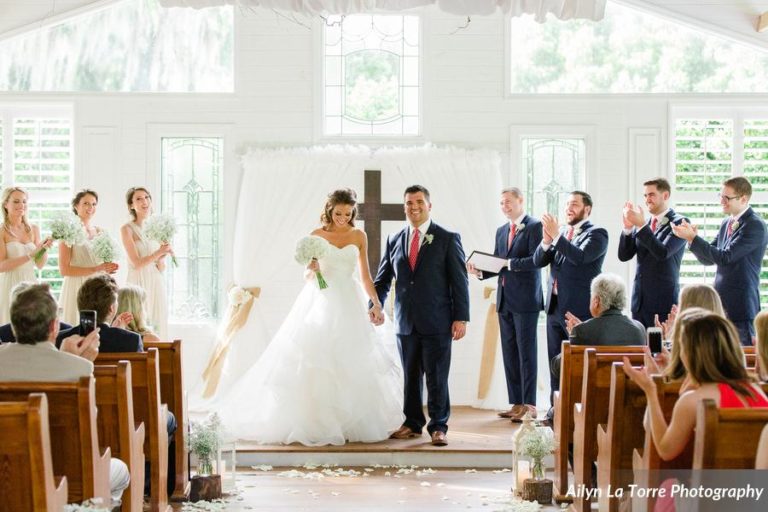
column 130, row 299
column 21, row 241
column 78, row 263
column 146, row 259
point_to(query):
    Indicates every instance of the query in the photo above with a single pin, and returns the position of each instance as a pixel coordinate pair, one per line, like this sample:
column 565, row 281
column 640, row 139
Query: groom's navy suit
column 573, row 265
column 519, row 300
column 428, row 300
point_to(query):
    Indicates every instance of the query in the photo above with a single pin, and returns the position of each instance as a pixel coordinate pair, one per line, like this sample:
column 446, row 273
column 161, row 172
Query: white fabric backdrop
column 561, row 9
column 281, row 197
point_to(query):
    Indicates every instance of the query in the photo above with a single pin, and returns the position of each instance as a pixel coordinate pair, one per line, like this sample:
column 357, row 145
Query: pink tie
column 512, row 233
column 569, row 236
column 654, row 223
column 414, row 253
column 730, row 226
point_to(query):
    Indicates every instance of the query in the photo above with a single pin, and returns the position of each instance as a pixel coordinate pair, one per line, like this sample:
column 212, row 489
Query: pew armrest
column 59, row 499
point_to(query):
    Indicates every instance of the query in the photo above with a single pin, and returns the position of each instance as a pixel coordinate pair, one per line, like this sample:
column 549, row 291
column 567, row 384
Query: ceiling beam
column 762, row 22
column 54, row 18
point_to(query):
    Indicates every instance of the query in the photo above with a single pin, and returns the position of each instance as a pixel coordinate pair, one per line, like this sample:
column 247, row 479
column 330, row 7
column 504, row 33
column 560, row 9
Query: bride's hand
column 376, row 315
column 313, row 265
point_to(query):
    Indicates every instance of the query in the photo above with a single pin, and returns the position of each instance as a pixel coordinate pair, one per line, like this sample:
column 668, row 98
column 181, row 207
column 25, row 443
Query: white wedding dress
column 327, row 376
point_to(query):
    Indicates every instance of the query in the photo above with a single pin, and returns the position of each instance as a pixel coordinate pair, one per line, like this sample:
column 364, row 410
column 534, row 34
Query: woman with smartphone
column 146, row 259
column 21, row 243
column 78, row 263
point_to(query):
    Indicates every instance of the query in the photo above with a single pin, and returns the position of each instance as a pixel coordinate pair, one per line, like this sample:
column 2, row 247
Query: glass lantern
column 522, row 466
column 226, row 464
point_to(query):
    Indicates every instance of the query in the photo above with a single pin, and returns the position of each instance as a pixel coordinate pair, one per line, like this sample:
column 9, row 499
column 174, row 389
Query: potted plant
column 204, row 442
column 537, row 445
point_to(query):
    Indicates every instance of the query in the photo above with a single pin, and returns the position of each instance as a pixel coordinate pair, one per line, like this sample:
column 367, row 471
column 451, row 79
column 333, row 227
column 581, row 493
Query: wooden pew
column 590, row 413
column 147, row 408
column 118, row 429
column 761, row 457
column 571, row 373
column 25, row 450
column 74, row 435
column 623, row 433
column 727, row 438
column 172, row 394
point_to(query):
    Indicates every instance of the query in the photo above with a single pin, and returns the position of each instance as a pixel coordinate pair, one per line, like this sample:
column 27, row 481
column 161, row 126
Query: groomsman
column 575, row 256
column 659, row 253
column 519, row 299
column 738, row 251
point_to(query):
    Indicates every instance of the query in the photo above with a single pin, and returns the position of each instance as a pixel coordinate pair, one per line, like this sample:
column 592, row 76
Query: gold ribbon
column 235, row 319
column 488, row 359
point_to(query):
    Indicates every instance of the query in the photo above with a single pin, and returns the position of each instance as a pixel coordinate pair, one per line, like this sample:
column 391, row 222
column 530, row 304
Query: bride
column 325, row 378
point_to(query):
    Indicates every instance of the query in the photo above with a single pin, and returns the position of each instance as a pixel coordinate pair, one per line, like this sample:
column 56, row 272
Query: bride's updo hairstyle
column 345, row 196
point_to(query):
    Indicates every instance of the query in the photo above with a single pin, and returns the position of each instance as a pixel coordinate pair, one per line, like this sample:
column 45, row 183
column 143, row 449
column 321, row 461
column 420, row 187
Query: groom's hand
column 458, row 330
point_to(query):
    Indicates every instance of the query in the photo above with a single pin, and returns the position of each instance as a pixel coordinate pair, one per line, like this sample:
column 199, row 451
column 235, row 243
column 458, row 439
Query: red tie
column 414, row 253
column 512, row 233
column 654, row 223
column 569, row 236
column 730, row 226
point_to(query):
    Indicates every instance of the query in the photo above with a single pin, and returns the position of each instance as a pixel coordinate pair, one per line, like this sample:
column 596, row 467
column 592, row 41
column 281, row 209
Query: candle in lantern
column 523, row 473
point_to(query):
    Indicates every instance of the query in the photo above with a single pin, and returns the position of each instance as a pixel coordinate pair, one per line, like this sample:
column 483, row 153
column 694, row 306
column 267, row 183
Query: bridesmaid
column 21, row 241
column 78, row 263
column 146, row 259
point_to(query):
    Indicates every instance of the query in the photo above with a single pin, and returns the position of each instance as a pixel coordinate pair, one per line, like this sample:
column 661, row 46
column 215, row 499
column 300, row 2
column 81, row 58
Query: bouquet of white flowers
column 238, row 296
column 105, row 248
column 537, row 445
column 68, row 228
column 313, row 248
column 161, row 227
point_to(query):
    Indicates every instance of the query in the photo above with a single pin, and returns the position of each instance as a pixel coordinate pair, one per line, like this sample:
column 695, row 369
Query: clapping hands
column 122, row 320
column 685, row 230
column 633, row 215
column 551, row 227
column 571, row 321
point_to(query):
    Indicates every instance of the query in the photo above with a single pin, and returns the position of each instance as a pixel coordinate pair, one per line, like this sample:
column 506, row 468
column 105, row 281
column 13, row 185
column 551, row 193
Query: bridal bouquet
column 67, row 228
column 105, row 248
column 161, row 227
column 313, row 248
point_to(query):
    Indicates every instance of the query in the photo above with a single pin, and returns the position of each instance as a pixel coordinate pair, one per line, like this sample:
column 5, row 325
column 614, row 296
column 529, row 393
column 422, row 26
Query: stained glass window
column 553, row 168
column 191, row 187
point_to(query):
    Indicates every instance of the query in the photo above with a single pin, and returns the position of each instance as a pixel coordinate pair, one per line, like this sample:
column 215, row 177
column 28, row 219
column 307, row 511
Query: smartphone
column 87, row 321
column 653, row 335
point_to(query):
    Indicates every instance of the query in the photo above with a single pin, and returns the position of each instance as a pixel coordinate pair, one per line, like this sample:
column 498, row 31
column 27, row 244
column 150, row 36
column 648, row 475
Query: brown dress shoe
column 518, row 418
column 513, row 412
column 404, row 433
column 439, row 438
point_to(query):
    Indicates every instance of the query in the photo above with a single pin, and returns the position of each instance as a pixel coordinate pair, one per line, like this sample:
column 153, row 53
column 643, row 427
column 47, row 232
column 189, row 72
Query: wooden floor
column 370, row 489
column 476, row 437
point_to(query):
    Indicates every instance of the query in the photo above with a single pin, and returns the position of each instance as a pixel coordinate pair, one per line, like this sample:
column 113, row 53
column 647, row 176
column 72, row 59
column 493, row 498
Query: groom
column 431, row 310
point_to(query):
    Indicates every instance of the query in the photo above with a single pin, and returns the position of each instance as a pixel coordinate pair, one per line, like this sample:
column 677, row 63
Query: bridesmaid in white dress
column 146, row 259
column 78, row 263
column 21, row 241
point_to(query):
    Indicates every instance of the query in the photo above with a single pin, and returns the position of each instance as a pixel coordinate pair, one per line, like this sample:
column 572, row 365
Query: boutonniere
column 735, row 225
column 664, row 221
column 428, row 238
column 520, row 227
column 577, row 233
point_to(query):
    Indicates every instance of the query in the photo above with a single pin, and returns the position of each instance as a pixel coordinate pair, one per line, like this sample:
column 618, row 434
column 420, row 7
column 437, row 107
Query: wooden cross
column 373, row 212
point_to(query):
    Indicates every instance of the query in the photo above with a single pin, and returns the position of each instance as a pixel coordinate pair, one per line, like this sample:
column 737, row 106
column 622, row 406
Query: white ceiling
column 734, row 18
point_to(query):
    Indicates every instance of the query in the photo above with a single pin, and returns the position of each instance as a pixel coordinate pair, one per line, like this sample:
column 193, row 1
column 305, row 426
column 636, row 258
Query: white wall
column 464, row 103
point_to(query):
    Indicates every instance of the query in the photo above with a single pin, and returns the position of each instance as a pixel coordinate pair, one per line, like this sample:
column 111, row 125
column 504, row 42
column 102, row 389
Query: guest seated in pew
column 692, row 295
column 131, row 299
column 761, row 458
column 6, row 332
column 713, row 359
column 34, row 356
column 99, row 293
column 761, row 346
column 608, row 325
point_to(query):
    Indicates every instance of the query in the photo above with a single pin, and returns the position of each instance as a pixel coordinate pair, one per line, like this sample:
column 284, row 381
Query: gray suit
column 41, row 362
column 610, row 328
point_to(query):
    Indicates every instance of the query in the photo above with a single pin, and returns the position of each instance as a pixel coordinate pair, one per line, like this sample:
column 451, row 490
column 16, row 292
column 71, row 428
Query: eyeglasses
column 727, row 198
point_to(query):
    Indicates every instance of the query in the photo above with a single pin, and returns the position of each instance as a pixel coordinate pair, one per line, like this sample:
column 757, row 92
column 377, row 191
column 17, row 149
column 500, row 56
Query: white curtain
column 561, row 9
column 281, row 197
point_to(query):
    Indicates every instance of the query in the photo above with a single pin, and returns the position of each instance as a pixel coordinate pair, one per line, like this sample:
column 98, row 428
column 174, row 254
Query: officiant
column 519, row 299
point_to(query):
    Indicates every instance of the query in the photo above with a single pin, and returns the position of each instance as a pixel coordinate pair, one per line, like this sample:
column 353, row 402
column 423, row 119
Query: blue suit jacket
column 6, row 332
column 574, row 264
column 659, row 255
column 112, row 339
column 521, row 289
column 738, row 259
column 436, row 293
